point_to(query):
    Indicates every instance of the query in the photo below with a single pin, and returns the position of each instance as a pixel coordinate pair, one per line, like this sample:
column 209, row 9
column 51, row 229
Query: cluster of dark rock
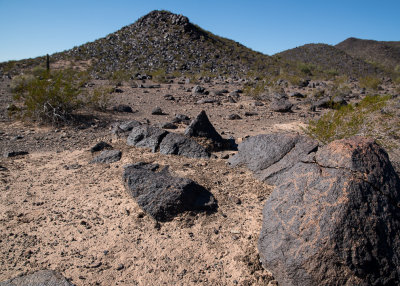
column 333, row 217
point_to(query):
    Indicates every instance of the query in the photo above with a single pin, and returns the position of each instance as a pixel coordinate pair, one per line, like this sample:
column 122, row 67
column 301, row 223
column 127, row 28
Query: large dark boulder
column 335, row 219
column 163, row 196
column 178, row 144
column 39, row 278
column 146, row 136
column 269, row 156
column 281, row 105
column 202, row 127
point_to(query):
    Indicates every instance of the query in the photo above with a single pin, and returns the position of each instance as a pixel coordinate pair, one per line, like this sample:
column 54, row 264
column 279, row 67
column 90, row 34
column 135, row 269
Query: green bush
column 346, row 121
column 49, row 97
column 100, row 98
column 370, row 82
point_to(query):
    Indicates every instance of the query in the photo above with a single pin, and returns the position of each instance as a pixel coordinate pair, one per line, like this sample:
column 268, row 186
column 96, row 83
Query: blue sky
column 30, row 28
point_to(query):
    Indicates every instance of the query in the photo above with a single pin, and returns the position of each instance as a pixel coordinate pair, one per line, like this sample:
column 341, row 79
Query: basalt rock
column 269, row 156
column 163, row 196
column 107, row 156
column 146, row 136
column 177, row 144
column 334, row 219
column 39, row 278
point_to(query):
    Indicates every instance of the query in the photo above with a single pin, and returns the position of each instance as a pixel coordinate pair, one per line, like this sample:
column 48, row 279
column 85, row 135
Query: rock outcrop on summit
column 335, row 219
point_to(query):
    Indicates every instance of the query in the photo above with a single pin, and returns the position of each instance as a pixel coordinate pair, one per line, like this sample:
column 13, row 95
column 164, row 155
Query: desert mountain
column 328, row 58
column 384, row 54
column 165, row 41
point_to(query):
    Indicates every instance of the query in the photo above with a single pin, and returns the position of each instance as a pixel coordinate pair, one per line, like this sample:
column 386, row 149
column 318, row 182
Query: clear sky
column 30, row 28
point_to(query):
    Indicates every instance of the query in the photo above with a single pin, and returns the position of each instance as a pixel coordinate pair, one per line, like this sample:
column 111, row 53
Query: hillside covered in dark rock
column 328, row 59
column 381, row 53
column 168, row 42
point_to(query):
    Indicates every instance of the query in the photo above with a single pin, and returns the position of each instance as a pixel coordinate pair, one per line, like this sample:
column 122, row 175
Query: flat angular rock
column 146, row 136
column 177, row 144
column 157, row 111
column 269, row 156
column 107, row 156
column 100, row 146
column 10, row 154
column 281, row 105
column 202, row 127
column 39, row 278
column 123, row 108
column 334, row 219
column 163, row 196
column 124, row 127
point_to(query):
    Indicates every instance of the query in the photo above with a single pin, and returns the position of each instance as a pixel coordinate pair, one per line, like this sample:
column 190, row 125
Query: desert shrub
column 50, row 97
column 100, row 98
column 305, row 69
column 118, row 77
column 370, row 82
column 159, row 76
column 346, row 121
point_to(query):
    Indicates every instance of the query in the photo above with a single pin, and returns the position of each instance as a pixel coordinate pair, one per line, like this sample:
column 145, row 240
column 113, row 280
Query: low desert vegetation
column 349, row 120
column 48, row 96
column 370, row 82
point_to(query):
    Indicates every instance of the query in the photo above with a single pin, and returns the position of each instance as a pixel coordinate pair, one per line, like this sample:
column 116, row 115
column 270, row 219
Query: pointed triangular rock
column 202, row 127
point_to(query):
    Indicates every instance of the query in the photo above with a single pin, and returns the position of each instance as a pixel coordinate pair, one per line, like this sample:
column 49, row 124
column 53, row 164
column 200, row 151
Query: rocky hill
column 165, row 41
column 326, row 58
column 384, row 54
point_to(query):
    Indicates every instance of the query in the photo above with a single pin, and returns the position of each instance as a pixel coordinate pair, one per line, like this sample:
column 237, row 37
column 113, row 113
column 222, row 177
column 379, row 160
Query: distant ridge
column 383, row 54
column 329, row 58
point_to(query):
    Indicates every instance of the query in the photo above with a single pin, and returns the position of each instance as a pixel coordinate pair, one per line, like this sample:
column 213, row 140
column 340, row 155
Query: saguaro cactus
column 48, row 62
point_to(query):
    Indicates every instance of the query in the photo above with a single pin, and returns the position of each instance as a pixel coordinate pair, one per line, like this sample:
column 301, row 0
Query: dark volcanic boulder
column 146, row 136
column 107, row 156
column 163, row 196
column 124, row 127
column 177, row 144
column 281, row 105
column 335, row 219
column 100, row 146
column 269, row 156
column 202, row 127
column 123, row 108
column 39, row 278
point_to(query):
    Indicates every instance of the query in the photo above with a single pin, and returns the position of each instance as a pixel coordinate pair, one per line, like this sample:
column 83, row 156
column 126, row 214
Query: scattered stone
column 118, row 90
column 322, row 103
column 120, row 267
column 163, row 196
column 181, row 118
column 157, row 111
column 39, row 278
column 250, row 113
column 282, row 105
column 207, row 100
column 177, row 144
column 231, row 100
column 123, row 108
column 168, row 97
column 10, row 154
column 258, row 103
column 304, row 83
column 220, row 92
column 234, row 116
column 168, row 125
column 298, row 95
column 107, row 157
column 100, row 146
column 146, row 136
column 197, row 89
column 124, row 127
column 334, row 219
column 270, row 156
column 72, row 167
